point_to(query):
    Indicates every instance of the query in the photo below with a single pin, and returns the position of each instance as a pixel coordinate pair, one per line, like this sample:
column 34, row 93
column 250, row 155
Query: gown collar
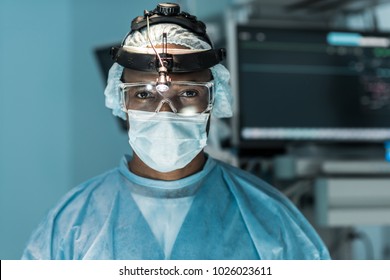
column 169, row 189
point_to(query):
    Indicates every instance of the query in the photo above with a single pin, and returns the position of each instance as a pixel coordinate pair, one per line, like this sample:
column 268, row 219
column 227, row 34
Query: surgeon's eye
column 189, row 93
column 144, row 95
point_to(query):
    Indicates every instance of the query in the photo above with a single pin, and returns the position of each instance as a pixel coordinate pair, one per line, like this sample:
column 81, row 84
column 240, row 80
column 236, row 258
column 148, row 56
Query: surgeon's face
column 161, row 153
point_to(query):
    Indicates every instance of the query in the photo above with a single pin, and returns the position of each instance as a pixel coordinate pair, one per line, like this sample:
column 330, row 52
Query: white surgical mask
column 166, row 141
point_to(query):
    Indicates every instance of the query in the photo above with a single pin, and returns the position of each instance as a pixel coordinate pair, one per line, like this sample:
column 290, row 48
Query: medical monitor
column 296, row 84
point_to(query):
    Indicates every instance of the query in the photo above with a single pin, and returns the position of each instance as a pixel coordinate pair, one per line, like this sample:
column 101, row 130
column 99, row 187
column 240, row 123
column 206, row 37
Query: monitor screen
column 317, row 85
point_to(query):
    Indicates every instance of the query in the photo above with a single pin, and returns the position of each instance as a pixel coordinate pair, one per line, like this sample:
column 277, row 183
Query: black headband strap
column 174, row 62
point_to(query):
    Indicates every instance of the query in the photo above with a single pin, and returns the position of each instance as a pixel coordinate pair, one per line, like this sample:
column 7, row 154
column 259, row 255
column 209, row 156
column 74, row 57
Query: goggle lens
column 182, row 97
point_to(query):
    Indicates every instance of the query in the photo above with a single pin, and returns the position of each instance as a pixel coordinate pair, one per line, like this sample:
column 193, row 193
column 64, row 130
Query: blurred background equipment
column 312, row 89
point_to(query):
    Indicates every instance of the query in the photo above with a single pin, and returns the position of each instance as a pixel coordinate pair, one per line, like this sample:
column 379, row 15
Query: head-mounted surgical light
column 166, row 62
column 163, row 80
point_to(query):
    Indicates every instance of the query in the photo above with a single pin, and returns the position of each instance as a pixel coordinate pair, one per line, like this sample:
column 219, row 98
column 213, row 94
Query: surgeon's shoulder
column 87, row 203
column 254, row 192
column 245, row 180
column 95, row 192
column 259, row 200
column 244, row 184
column 93, row 196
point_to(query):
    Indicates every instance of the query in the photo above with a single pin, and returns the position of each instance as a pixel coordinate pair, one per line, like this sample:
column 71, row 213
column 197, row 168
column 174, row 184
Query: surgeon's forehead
column 134, row 76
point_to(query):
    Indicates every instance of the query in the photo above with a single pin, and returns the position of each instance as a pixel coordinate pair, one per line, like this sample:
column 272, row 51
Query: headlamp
column 175, row 63
column 163, row 80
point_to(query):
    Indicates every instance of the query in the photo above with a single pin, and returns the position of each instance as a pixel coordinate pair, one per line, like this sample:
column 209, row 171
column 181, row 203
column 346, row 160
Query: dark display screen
column 313, row 84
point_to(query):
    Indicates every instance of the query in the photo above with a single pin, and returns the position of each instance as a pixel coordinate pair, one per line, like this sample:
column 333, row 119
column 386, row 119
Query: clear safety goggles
column 182, row 97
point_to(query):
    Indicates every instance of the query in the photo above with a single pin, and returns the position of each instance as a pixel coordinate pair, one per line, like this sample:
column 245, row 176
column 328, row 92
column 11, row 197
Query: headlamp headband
column 168, row 13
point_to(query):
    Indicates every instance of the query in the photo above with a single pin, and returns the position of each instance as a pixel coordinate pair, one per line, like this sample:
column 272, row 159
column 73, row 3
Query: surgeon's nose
column 166, row 106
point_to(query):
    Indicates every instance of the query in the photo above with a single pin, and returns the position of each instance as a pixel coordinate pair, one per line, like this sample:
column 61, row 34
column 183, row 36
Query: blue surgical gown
column 231, row 215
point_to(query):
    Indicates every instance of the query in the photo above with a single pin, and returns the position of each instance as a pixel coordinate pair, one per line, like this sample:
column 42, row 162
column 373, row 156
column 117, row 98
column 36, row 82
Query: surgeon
column 169, row 199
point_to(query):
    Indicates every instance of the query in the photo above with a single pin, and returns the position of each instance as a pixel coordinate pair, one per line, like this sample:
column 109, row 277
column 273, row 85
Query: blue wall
column 35, row 123
column 54, row 129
